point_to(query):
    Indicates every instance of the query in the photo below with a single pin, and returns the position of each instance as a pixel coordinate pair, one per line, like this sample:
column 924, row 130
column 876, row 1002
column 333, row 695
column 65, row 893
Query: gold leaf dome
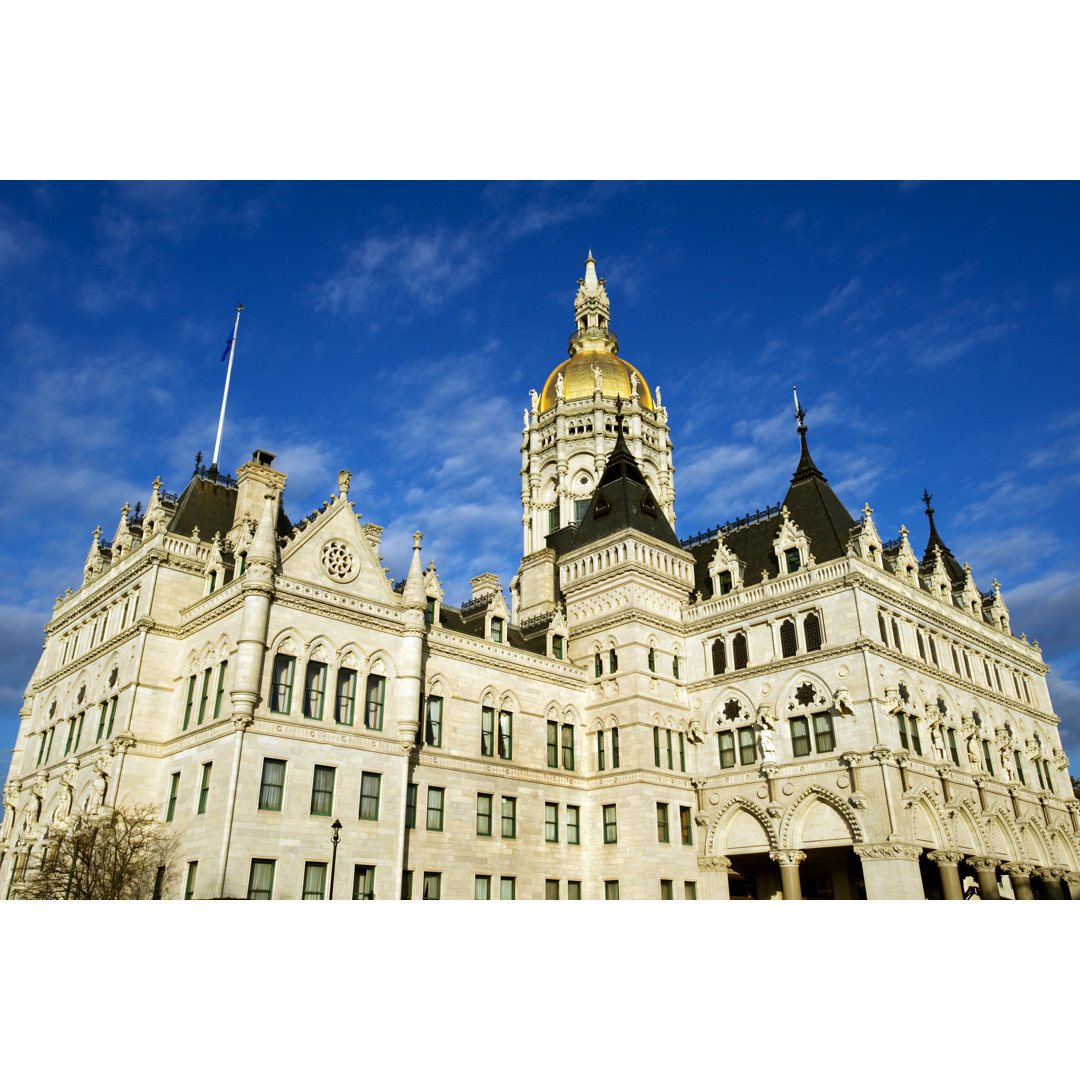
column 579, row 381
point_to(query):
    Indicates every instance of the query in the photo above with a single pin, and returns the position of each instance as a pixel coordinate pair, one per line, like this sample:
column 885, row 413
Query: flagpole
column 225, row 396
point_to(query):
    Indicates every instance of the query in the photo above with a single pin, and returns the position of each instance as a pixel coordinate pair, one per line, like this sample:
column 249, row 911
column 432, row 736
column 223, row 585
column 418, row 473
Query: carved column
column 1020, row 875
column 979, row 780
column 1051, row 876
column 902, row 759
column 950, row 877
column 891, row 871
column 986, row 872
column 945, row 772
column 882, row 755
column 851, row 760
column 789, row 872
column 770, row 773
column 240, row 725
column 713, row 870
column 1071, row 882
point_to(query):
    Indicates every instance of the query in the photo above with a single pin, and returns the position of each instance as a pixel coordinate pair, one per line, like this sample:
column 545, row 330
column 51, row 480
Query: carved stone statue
column 633, row 384
column 525, row 417
column 656, row 395
column 842, row 703
column 766, row 728
column 534, row 397
column 344, row 478
column 101, row 778
column 560, row 383
column 598, row 377
column 971, row 737
column 893, row 704
column 694, row 732
column 937, row 740
column 11, row 801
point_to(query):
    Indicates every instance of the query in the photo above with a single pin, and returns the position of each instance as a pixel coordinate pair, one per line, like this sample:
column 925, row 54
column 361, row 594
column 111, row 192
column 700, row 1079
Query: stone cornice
column 784, row 663
column 96, row 653
column 890, row 850
column 488, row 654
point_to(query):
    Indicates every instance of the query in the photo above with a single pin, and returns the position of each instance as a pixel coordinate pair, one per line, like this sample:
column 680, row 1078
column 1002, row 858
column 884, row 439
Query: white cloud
column 839, row 299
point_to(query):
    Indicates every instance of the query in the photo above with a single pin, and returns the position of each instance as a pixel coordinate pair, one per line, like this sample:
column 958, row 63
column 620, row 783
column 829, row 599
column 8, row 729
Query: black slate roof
column 952, row 566
column 211, row 506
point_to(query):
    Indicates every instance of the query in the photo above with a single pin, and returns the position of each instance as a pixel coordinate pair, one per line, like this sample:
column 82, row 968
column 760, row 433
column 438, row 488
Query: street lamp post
column 333, row 863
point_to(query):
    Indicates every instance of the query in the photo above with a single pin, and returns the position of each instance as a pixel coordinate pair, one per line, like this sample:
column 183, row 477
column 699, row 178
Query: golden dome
column 579, row 380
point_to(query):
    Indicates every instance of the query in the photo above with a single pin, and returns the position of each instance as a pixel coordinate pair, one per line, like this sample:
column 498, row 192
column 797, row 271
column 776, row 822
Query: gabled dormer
column 936, row 582
column 901, row 560
column 726, row 569
column 968, row 597
column 123, row 540
column 865, row 539
column 433, row 590
column 791, row 546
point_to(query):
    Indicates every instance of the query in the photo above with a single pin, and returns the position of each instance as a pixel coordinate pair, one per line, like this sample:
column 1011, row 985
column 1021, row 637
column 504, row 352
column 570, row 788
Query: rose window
column 338, row 561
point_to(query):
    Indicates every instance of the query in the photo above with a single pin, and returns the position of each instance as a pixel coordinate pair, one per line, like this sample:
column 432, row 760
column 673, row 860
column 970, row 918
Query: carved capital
column 858, row 800
column 701, row 820
column 851, row 759
column 881, row 753
column 774, row 810
column 983, row 865
column 698, row 782
column 770, row 771
column 787, row 858
column 1072, row 877
column 902, row 758
column 892, row 850
column 1049, row 873
column 123, row 742
column 947, row 858
column 1018, row 869
column 945, row 772
column 242, row 723
column 715, row 863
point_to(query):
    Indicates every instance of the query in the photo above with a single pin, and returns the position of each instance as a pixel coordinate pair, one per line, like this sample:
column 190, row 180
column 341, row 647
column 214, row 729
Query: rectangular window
column 406, row 884
column 689, row 890
column 314, row 881
column 159, row 882
column 1049, row 778
column 410, row 807
column 952, row 746
column 675, row 666
column 824, row 739
column 916, row 742
column 78, row 731
column 509, row 817
column 747, row 749
column 435, row 797
column 261, row 879
column 314, row 689
column 174, row 786
column 682, row 752
column 665, row 889
column 497, row 630
column 656, row 746
column 611, row 890
column 506, row 735
column 219, row 693
column 432, row 885
column 598, row 665
column 507, row 888
column 599, row 751
column 1019, row 766
column 204, row 788
column 370, row 789
column 281, row 683
column 48, row 748
column 800, row 736
column 967, row 667
column 190, row 701
column 614, row 747
column 611, row 833
column 573, row 824
column 791, row 560
column 573, row 890
column 551, row 822
column 901, row 724
column 363, row 883
column 322, row 790
column 101, row 721
column 553, row 744
column 670, row 755
column 685, row 832
column 483, row 814
column 613, row 661
column 551, row 889
column 272, row 789
column 204, row 696
column 556, row 646
column 345, row 697
column 988, row 758
column 189, row 880
column 662, row 832
column 112, row 717
column 376, row 698
column 70, row 736
column 482, row 887
column 429, row 611
column 568, row 747
column 726, row 742
column 487, row 732
column 41, row 750
column 433, row 722
column 652, row 659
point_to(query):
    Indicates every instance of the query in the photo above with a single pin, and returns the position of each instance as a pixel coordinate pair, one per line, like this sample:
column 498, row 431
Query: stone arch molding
column 725, row 815
column 802, row 804
column 718, row 720
column 928, row 800
column 1008, row 830
column 788, row 705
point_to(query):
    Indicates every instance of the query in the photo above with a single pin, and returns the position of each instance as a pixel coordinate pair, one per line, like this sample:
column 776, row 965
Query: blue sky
column 396, row 329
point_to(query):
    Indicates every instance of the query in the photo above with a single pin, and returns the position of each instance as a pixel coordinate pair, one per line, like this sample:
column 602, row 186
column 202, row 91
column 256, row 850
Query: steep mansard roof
column 623, row 500
column 211, row 506
column 952, row 566
column 814, row 508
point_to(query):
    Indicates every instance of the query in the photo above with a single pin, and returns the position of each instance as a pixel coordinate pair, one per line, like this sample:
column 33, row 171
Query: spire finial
column 806, row 468
column 926, row 497
column 800, row 412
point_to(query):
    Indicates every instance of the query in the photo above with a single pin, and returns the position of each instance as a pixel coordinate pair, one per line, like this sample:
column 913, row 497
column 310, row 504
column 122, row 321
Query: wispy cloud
column 839, row 299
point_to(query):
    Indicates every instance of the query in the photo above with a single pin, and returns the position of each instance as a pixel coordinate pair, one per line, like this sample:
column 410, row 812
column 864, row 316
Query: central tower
column 569, row 432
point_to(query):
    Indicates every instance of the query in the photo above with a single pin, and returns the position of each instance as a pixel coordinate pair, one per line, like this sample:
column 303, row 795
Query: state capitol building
column 788, row 706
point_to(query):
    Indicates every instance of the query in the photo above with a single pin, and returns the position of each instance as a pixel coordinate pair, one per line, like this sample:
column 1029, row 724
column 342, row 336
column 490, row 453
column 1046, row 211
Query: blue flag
column 225, row 354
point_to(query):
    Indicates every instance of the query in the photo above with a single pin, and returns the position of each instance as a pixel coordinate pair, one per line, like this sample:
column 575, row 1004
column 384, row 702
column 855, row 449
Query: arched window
column 738, row 651
column 788, row 644
column 719, row 657
column 896, row 636
column 881, row 628
column 812, row 632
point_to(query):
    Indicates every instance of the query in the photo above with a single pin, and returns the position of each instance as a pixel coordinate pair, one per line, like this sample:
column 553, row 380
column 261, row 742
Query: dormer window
column 429, row 613
column 557, row 646
column 723, row 583
column 791, row 560
column 497, row 630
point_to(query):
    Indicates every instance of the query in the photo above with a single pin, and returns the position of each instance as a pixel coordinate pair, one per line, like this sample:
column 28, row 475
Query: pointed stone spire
column 952, row 567
column 263, row 546
column 415, row 594
column 592, row 313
